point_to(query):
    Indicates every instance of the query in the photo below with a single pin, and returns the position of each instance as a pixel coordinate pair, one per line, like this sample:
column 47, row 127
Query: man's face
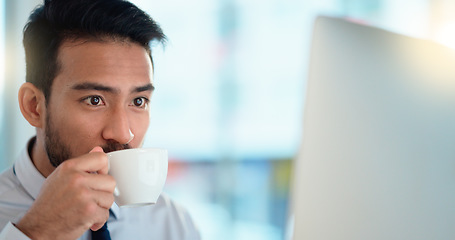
column 99, row 97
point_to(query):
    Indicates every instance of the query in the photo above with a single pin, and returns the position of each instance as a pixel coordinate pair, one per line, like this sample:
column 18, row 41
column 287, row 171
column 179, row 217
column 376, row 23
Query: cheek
column 139, row 127
column 79, row 128
column 70, row 132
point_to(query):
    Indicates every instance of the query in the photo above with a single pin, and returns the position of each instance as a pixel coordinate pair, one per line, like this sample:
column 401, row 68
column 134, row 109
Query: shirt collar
column 115, row 211
column 27, row 174
column 32, row 180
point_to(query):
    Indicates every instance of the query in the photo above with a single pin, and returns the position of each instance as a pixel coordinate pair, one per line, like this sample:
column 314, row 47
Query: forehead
column 111, row 62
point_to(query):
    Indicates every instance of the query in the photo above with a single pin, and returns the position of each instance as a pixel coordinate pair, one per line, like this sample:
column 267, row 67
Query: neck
column 37, row 153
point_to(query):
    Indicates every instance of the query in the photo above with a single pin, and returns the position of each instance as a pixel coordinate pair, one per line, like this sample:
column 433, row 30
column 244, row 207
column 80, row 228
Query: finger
column 100, row 149
column 100, row 182
column 101, row 218
column 91, row 162
column 103, row 199
column 97, row 149
column 96, row 226
column 104, row 170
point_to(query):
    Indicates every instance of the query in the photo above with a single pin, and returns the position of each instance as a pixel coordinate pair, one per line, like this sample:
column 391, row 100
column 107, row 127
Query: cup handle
column 116, row 192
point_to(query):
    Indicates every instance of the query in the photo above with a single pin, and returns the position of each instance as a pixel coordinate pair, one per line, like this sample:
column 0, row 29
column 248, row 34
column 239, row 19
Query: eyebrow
column 103, row 88
column 93, row 86
column 148, row 87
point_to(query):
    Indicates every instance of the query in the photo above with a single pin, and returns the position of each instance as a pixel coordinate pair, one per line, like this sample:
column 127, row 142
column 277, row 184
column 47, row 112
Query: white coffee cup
column 140, row 174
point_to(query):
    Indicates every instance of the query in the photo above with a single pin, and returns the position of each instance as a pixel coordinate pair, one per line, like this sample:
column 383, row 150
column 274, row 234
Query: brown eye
column 95, row 100
column 138, row 102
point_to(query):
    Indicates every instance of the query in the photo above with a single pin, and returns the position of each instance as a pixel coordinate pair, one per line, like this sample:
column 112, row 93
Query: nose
column 117, row 127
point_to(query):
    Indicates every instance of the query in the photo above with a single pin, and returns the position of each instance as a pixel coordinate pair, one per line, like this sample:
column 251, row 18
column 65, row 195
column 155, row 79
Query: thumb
column 97, row 149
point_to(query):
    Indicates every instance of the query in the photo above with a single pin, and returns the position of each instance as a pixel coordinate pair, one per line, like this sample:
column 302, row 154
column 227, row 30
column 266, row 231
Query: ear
column 32, row 104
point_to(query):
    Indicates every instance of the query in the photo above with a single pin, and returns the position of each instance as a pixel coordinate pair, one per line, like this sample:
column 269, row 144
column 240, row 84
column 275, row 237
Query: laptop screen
column 377, row 160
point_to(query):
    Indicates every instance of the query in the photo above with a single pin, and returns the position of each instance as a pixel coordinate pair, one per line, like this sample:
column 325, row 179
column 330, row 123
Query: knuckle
column 106, row 201
column 113, row 183
column 90, row 208
column 83, row 196
column 106, row 215
column 111, row 199
column 76, row 179
column 103, row 159
column 67, row 165
column 84, row 193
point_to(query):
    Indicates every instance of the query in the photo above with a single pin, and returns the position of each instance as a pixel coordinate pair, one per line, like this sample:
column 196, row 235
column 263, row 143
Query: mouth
column 114, row 146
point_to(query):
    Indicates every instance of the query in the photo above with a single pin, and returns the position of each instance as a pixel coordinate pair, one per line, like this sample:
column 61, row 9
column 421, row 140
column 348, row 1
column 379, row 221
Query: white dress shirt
column 165, row 220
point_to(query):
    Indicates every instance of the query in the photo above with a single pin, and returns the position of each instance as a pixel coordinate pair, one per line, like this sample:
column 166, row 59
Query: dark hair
column 58, row 20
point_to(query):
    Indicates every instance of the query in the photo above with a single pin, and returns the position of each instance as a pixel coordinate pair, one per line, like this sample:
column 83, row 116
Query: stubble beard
column 58, row 152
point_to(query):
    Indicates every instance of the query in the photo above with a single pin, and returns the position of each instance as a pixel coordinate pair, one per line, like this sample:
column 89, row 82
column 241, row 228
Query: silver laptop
column 377, row 159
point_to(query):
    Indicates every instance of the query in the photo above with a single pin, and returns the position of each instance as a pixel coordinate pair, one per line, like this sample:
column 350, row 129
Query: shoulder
column 8, row 183
column 165, row 201
column 167, row 208
column 14, row 200
column 167, row 218
column 180, row 216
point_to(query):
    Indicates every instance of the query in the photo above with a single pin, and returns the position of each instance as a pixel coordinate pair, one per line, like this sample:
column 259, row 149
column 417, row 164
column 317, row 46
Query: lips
column 114, row 146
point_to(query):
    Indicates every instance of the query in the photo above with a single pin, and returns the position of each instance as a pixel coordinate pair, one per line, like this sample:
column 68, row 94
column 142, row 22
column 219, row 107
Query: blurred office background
column 230, row 91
